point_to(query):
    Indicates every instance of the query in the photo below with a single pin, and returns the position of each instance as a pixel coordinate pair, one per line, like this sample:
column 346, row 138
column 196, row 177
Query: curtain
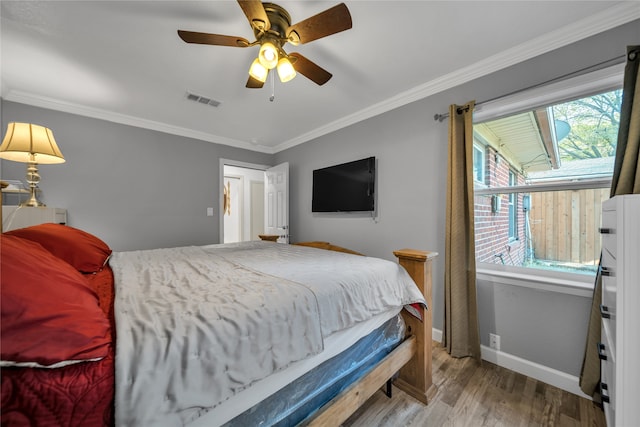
column 626, row 180
column 461, row 335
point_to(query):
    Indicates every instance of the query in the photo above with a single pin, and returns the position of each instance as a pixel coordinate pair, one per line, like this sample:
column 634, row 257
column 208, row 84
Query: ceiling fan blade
column 213, row 39
column 310, row 69
column 257, row 16
column 323, row 24
column 254, row 83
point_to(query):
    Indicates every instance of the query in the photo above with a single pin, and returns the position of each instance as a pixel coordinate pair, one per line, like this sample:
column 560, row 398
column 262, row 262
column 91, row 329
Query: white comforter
column 195, row 325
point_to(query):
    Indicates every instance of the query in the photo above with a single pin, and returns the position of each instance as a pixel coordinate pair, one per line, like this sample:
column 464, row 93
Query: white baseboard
column 436, row 335
column 551, row 376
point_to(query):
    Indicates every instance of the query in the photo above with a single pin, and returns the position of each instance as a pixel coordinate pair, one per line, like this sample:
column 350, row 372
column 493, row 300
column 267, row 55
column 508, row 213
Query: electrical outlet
column 494, row 341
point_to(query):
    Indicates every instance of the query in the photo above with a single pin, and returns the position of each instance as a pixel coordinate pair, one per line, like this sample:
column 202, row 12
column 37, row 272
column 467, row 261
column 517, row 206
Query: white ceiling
column 123, row 61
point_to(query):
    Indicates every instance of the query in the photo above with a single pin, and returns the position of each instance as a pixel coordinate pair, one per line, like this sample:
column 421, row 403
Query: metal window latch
column 602, row 355
column 604, row 396
column 606, row 271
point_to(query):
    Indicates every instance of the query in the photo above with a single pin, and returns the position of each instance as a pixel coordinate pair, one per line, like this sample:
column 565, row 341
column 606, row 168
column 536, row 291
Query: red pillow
column 84, row 251
column 49, row 315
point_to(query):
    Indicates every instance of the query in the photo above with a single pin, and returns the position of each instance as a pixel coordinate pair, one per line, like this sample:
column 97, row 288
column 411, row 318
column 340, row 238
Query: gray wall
column 135, row 188
column 545, row 327
column 411, row 149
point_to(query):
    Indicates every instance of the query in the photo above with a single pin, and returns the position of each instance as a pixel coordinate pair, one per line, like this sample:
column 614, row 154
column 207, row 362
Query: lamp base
column 34, row 204
column 33, row 201
column 33, row 178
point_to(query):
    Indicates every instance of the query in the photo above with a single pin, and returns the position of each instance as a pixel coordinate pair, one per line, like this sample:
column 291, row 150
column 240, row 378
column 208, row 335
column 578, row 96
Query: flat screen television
column 348, row 187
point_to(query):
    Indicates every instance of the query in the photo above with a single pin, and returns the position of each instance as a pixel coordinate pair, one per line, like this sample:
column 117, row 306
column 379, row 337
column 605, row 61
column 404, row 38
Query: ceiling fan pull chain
column 273, row 87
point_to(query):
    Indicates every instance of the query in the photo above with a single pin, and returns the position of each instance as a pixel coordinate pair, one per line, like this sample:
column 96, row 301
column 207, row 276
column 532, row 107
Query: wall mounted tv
column 348, row 187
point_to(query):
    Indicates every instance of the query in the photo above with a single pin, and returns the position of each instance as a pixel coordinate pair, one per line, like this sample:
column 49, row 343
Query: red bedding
column 74, row 395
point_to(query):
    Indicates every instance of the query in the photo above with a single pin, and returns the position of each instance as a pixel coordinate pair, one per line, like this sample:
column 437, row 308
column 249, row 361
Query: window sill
column 544, row 280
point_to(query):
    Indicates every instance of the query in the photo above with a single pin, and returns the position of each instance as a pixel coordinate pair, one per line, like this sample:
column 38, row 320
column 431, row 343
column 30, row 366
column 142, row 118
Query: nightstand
column 24, row 216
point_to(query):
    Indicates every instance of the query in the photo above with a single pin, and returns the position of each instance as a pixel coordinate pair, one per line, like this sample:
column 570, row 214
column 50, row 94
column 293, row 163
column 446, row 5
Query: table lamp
column 31, row 144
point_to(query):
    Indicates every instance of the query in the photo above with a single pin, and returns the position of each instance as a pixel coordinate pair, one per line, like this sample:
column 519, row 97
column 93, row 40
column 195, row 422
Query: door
column 276, row 201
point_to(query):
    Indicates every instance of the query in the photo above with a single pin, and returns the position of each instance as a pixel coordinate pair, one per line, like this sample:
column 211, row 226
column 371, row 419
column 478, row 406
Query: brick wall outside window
column 492, row 229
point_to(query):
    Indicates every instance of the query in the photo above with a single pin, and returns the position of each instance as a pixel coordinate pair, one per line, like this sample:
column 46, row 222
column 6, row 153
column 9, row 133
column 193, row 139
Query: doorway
column 241, row 201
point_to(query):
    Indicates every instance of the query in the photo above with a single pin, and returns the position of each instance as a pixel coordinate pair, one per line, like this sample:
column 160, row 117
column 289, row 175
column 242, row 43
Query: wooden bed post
column 412, row 358
column 415, row 377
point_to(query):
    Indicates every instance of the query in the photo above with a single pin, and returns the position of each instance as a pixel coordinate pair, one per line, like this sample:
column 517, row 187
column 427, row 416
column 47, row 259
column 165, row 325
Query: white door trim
column 276, row 201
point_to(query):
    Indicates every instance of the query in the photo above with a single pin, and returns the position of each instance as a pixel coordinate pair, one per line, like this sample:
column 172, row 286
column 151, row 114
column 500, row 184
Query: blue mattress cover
column 293, row 403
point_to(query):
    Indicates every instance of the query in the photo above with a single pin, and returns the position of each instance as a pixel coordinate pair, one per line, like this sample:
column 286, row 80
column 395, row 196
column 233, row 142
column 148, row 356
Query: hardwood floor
column 487, row 395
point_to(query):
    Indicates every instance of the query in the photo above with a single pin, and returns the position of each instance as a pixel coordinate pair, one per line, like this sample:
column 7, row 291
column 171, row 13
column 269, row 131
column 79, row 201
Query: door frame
column 272, row 206
column 222, row 164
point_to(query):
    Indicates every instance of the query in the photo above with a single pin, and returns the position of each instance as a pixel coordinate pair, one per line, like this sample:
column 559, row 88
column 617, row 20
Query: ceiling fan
column 272, row 28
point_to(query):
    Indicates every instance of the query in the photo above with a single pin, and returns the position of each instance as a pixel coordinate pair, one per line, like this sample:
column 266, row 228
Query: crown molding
column 614, row 16
column 96, row 113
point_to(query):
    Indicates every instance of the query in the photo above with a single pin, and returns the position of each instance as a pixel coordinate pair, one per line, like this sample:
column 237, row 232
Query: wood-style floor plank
column 479, row 396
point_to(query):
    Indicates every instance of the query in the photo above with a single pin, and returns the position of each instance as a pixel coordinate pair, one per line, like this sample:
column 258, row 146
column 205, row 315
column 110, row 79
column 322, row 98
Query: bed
column 256, row 333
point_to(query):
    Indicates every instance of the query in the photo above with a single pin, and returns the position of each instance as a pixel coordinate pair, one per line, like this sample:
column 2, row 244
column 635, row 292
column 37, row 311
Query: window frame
column 480, row 149
column 573, row 185
column 603, row 80
column 588, row 84
column 570, row 283
column 545, row 280
column 513, row 207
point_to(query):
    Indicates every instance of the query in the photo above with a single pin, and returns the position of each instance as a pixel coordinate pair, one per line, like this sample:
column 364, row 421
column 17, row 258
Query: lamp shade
column 286, row 71
column 268, row 55
column 26, row 142
column 258, row 71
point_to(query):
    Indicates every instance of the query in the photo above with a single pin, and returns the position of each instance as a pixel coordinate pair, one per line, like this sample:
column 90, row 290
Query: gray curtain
column 461, row 335
column 626, row 180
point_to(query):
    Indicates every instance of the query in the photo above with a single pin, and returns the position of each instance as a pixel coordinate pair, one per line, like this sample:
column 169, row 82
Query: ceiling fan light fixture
column 272, row 29
column 258, row 71
column 286, row 72
column 268, row 55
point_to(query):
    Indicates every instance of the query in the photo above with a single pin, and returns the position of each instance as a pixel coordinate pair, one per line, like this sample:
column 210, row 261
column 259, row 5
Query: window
column 478, row 163
column 553, row 171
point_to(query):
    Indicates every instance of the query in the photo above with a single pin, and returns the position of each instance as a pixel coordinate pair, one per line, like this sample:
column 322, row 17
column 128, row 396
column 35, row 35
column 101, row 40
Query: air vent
column 202, row 99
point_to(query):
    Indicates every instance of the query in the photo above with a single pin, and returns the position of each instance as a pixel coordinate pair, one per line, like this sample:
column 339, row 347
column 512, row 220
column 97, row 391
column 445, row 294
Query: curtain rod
column 613, row 61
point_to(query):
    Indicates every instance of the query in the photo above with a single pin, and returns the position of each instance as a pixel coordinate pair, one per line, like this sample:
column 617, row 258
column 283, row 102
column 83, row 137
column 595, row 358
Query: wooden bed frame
column 412, row 358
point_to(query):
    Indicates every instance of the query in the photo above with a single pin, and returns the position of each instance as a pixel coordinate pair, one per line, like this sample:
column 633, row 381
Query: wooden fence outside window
column 564, row 225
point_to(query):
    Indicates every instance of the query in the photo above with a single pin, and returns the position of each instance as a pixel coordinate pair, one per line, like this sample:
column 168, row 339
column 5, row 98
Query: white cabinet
column 620, row 346
column 24, row 216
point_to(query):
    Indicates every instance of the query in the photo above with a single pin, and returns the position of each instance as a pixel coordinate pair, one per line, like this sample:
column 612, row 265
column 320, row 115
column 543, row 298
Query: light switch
column 209, row 211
